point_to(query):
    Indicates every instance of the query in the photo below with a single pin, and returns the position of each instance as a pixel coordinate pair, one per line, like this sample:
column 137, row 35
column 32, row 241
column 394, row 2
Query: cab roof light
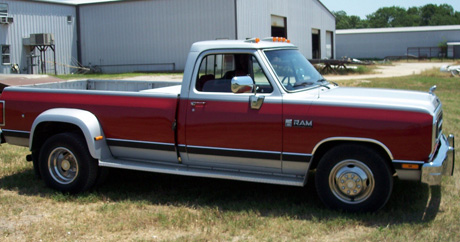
column 272, row 39
column 277, row 39
column 253, row 40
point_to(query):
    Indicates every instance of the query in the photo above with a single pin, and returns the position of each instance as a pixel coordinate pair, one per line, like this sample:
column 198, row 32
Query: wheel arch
column 325, row 145
column 61, row 120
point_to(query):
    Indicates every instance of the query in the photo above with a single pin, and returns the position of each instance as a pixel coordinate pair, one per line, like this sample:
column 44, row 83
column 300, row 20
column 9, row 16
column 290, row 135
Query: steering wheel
column 288, row 80
column 288, row 85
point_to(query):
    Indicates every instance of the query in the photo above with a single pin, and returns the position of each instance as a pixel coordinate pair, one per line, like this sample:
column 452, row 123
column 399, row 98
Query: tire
column 353, row 178
column 66, row 164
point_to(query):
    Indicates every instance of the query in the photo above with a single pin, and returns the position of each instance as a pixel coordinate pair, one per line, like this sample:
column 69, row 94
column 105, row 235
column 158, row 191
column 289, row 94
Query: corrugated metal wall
column 30, row 18
column 302, row 16
column 381, row 45
column 151, row 35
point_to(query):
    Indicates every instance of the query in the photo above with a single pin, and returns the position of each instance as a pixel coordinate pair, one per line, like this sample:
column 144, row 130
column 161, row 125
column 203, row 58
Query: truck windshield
column 294, row 71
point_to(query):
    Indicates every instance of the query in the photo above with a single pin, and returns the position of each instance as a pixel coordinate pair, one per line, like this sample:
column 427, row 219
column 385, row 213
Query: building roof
column 74, row 2
column 399, row 29
column 79, row 2
column 453, row 43
column 327, row 9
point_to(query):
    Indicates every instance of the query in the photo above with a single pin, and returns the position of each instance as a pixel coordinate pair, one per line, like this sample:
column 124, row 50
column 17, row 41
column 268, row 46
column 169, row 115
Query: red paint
column 231, row 124
column 234, row 125
column 122, row 117
column 406, row 134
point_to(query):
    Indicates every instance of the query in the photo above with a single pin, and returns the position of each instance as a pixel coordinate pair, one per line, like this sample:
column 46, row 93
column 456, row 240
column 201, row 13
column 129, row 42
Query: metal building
column 157, row 35
column 152, row 35
column 384, row 42
column 55, row 27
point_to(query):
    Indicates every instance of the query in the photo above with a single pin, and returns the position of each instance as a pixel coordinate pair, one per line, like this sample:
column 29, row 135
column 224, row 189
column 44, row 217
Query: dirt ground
column 397, row 69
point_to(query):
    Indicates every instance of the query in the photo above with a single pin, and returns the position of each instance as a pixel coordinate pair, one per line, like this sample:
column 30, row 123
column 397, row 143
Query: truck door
column 222, row 130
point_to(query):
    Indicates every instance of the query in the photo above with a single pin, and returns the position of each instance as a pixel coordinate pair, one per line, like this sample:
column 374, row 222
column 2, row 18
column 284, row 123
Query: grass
column 139, row 206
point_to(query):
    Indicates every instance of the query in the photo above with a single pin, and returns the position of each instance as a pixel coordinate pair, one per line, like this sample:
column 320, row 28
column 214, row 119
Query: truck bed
column 112, row 85
column 127, row 110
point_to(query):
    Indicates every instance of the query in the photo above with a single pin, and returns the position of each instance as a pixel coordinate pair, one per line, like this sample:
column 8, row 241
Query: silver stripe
column 409, row 162
column 278, row 153
column 233, row 97
column 350, row 104
column 140, row 142
column 16, row 131
column 90, row 92
column 354, row 139
column 299, row 154
column 244, row 150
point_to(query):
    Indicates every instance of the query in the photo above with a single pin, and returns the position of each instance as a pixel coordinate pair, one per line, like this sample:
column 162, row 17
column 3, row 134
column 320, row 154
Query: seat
column 221, row 85
column 203, row 79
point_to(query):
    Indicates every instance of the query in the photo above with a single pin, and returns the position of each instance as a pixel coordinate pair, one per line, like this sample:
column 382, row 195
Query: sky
column 362, row 8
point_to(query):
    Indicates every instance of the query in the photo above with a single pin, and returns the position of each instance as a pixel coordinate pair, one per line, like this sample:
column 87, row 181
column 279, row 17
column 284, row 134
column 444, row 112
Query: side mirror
column 242, row 84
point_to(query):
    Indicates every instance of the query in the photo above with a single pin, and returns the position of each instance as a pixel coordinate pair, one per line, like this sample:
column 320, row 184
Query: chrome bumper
column 442, row 164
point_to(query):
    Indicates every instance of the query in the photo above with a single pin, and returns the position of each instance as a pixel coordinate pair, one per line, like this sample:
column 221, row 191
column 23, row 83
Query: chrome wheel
column 351, row 181
column 63, row 166
column 354, row 177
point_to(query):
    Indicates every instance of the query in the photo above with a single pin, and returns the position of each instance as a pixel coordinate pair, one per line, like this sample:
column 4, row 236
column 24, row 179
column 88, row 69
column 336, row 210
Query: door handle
column 197, row 103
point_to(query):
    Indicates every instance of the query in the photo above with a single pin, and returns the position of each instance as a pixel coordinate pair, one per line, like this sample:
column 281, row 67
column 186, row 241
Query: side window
column 6, row 55
column 217, row 70
column 3, row 10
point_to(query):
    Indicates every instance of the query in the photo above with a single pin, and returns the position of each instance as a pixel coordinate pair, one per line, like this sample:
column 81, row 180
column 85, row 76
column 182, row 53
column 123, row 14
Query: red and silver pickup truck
column 252, row 110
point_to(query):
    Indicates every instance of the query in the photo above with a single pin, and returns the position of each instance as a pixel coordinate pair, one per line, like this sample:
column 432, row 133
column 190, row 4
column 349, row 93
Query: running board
column 178, row 169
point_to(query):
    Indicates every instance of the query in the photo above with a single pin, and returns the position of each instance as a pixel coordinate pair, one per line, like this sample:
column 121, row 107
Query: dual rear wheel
column 66, row 165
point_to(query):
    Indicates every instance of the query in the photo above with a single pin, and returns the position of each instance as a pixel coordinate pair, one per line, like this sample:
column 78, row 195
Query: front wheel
column 66, row 164
column 353, row 178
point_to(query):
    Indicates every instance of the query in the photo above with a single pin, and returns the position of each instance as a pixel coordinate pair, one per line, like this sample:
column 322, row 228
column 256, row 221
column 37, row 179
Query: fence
column 426, row 52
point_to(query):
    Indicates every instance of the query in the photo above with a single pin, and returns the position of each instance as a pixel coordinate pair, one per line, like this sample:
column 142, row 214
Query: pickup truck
column 253, row 110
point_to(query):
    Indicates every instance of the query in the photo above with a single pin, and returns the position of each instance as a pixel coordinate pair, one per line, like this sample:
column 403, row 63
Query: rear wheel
column 66, row 164
column 353, row 178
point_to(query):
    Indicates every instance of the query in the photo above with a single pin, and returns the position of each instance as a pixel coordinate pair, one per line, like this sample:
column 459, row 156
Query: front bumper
column 442, row 164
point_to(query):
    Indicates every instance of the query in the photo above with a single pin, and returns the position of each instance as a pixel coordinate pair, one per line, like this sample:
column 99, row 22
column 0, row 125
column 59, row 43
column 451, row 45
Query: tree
column 343, row 21
column 443, row 14
column 430, row 14
column 427, row 12
column 389, row 17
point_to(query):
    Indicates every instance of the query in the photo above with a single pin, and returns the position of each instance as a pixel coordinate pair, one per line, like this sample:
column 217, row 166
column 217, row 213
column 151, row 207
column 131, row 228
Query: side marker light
column 410, row 166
